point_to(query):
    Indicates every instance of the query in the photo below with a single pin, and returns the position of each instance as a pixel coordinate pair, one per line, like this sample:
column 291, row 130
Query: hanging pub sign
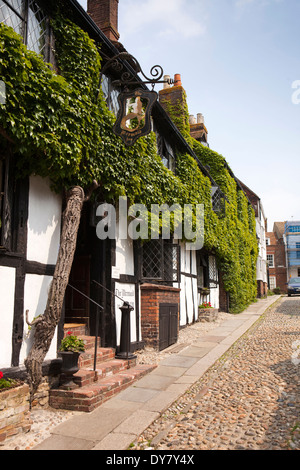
column 135, row 102
column 134, row 116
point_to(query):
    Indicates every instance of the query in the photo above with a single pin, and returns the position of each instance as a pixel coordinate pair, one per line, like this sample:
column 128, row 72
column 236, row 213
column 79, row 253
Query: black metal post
column 96, row 338
column 124, row 352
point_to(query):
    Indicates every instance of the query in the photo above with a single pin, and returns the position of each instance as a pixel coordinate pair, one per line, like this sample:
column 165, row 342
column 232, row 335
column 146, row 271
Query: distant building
column 292, row 243
column 261, row 223
column 276, row 257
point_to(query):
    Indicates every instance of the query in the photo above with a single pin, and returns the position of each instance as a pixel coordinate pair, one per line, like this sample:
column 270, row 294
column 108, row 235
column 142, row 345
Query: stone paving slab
column 92, row 426
column 135, row 394
column 56, row 442
column 196, row 351
column 136, row 422
column 179, row 361
column 115, row 441
column 169, row 371
column 164, row 399
column 154, row 382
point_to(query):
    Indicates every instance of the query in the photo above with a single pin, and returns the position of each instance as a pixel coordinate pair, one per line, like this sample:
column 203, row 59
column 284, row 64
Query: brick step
column 89, row 341
column 89, row 397
column 75, row 328
column 86, row 359
column 87, row 376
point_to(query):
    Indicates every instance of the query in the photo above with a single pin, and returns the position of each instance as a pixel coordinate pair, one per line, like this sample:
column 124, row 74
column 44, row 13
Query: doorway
column 77, row 307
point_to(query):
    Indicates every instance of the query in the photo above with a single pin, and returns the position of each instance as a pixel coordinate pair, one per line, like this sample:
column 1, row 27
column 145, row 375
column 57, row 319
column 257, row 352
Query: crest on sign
column 134, row 116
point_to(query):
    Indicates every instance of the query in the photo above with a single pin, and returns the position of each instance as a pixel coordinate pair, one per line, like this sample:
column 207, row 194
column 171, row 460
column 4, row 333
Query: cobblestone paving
column 248, row 400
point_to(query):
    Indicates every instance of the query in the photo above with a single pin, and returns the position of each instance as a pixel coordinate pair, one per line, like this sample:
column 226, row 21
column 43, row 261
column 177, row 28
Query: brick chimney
column 173, row 100
column 105, row 14
column 197, row 128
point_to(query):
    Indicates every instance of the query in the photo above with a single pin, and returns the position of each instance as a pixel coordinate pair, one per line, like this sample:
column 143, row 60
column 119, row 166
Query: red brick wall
column 277, row 248
column 262, row 289
column 152, row 295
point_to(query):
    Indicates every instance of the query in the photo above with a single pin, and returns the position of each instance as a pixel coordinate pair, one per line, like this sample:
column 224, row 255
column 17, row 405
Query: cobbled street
column 249, row 400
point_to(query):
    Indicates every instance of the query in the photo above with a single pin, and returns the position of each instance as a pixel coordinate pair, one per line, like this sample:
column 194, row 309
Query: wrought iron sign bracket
column 128, row 78
column 135, row 102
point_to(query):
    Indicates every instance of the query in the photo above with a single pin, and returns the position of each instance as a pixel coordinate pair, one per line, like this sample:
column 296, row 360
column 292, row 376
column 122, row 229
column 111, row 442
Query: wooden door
column 168, row 325
column 77, row 307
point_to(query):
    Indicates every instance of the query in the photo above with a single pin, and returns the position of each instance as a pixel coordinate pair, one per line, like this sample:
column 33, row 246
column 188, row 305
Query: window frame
column 166, row 152
column 273, row 279
column 166, row 273
column 273, row 260
column 112, row 103
column 293, row 229
column 30, row 9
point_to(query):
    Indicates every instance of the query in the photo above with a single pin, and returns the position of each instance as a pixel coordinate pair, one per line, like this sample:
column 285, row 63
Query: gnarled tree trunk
column 46, row 324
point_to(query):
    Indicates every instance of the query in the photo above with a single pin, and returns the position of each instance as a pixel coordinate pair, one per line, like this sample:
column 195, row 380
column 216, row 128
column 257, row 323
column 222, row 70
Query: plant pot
column 69, row 368
column 207, row 314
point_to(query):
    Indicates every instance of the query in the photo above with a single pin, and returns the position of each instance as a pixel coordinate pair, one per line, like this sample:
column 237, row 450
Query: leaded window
column 218, row 201
column 161, row 261
column 212, row 272
column 111, row 94
column 29, row 21
column 166, row 152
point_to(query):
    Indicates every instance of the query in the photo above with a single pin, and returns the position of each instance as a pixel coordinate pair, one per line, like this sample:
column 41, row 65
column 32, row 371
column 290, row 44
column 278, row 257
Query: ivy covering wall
column 59, row 128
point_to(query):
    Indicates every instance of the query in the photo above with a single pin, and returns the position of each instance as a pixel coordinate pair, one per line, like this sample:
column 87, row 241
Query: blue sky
column 238, row 60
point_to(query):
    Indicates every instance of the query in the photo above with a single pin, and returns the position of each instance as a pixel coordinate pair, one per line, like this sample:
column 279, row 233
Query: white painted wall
column 127, row 292
column 188, row 286
column 124, row 265
column 214, row 297
column 35, row 299
column 44, row 221
column 261, row 265
column 7, row 296
column 124, row 255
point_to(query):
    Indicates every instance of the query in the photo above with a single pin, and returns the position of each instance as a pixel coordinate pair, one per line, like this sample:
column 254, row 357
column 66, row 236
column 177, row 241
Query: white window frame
column 273, row 261
column 273, row 284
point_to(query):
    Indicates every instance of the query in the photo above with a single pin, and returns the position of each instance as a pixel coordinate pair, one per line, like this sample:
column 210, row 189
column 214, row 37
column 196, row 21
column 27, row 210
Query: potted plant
column 70, row 348
column 206, row 313
column 205, row 305
column 7, row 383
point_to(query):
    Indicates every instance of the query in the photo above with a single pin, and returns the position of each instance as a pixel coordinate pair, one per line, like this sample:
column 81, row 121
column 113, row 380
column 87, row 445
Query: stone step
column 89, row 397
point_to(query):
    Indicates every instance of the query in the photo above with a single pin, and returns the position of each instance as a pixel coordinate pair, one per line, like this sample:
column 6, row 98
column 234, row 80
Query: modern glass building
column 292, row 243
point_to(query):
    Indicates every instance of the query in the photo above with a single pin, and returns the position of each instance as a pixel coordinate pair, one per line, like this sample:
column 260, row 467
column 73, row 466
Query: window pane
column 36, row 36
column 272, row 282
column 110, row 95
column 10, row 18
column 18, row 5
